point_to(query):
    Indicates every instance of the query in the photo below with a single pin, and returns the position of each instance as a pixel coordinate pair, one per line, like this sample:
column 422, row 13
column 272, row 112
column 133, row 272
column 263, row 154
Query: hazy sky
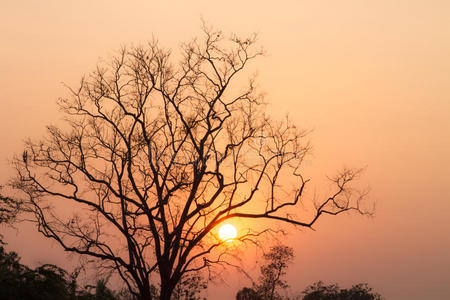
column 371, row 78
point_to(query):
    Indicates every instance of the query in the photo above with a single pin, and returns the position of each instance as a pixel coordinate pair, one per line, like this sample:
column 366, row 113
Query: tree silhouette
column 9, row 210
column 247, row 293
column 189, row 287
column 154, row 155
column 277, row 261
column 47, row 281
column 319, row 291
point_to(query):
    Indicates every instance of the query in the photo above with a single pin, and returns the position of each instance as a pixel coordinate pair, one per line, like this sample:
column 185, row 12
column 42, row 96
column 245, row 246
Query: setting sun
column 227, row 232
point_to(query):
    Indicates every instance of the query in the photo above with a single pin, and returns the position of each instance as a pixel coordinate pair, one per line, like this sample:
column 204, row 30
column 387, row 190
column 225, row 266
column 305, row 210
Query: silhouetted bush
column 319, row 291
column 46, row 282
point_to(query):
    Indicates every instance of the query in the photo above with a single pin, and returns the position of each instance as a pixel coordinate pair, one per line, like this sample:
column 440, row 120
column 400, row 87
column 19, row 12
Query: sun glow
column 227, row 232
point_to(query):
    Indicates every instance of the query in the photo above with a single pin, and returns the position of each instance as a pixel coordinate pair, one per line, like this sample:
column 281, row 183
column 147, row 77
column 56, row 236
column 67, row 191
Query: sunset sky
column 371, row 79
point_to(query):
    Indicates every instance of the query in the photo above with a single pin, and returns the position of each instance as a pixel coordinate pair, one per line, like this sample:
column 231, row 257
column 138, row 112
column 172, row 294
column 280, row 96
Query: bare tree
column 155, row 155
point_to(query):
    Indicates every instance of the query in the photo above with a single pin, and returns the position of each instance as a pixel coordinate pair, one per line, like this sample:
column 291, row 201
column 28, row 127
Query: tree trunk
column 166, row 293
column 167, row 285
column 145, row 295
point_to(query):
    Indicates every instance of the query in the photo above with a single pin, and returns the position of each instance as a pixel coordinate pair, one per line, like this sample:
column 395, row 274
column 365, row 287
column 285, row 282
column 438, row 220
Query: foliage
column 20, row 282
column 278, row 260
column 247, row 293
column 272, row 272
column 9, row 209
column 319, row 291
column 45, row 282
column 189, row 287
column 270, row 280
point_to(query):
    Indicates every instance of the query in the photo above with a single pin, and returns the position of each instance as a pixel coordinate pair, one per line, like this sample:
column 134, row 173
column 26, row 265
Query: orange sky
column 371, row 78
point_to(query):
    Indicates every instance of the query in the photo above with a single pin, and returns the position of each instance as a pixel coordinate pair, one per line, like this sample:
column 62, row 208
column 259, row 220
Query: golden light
column 227, row 232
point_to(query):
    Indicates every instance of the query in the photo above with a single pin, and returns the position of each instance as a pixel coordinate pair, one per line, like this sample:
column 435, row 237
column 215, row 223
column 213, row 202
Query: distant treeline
column 47, row 282
column 272, row 286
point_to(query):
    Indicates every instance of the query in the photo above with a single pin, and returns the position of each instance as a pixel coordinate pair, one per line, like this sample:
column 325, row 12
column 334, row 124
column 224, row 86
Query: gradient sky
column 371, row 78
